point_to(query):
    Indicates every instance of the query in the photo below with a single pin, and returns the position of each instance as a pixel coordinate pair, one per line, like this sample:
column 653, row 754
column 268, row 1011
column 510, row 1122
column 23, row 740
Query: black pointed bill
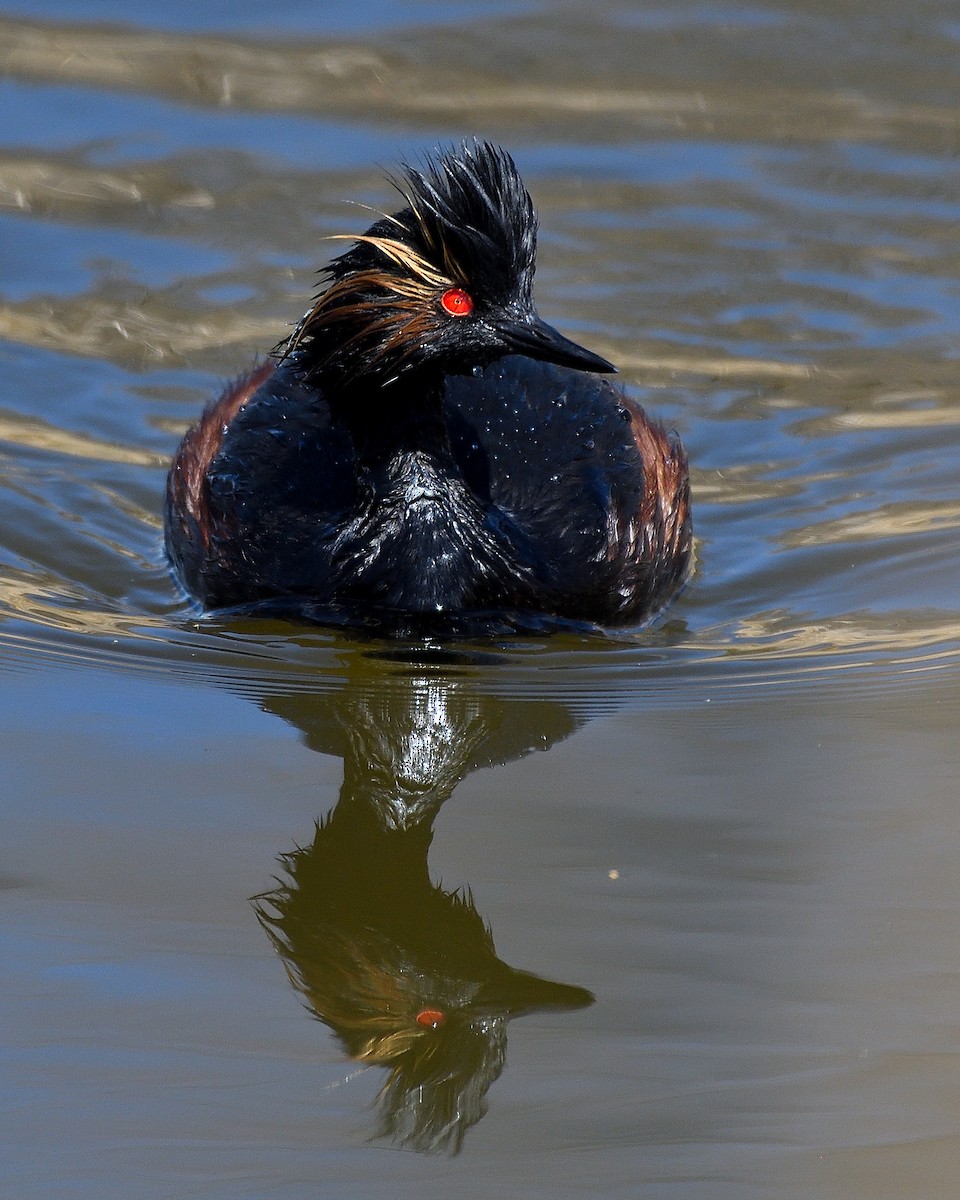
column 537, row 339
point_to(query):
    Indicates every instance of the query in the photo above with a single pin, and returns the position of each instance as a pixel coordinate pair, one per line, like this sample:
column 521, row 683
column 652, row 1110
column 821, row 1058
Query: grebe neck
column 392, row 418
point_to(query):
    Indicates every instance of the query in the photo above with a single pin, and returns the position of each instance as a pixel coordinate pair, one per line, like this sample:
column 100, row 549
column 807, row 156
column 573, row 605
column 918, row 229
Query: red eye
column 456, row 302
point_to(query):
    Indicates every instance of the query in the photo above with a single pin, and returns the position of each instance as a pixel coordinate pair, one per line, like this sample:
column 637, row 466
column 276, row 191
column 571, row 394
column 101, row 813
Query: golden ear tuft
column 403, row 256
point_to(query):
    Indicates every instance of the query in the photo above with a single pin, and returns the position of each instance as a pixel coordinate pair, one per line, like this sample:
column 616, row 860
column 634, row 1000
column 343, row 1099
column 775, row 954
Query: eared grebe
column 424, row 444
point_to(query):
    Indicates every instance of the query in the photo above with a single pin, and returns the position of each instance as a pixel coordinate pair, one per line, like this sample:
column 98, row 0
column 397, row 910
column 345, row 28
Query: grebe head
column 446, row 283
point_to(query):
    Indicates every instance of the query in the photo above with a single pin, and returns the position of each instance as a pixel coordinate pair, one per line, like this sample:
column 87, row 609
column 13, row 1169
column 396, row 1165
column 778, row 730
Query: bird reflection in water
column 404, row 971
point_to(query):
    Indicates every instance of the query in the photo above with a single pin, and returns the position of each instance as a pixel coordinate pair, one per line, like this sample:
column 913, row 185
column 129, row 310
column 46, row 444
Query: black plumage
column 424, row 445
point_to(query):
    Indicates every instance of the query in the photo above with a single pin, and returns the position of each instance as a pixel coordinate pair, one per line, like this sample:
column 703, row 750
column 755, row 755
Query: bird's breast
column 422, row 541
column 416, row 481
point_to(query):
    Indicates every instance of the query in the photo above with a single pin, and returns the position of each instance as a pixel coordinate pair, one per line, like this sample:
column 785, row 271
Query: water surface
column 687, row 896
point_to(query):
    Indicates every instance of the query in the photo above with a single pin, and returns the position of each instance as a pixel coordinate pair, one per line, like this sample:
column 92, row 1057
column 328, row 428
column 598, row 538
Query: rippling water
column 742, row 836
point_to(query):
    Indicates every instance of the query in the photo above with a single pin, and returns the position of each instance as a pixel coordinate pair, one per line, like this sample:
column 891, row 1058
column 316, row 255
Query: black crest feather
column 475, row 218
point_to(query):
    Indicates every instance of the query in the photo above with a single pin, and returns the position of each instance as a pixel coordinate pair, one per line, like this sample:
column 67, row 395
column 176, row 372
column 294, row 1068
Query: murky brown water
column 691, row 903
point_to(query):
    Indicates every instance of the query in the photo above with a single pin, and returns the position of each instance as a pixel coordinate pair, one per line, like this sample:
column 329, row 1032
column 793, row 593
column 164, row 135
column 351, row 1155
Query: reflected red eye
column 430, row 1018
column 456, row 302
